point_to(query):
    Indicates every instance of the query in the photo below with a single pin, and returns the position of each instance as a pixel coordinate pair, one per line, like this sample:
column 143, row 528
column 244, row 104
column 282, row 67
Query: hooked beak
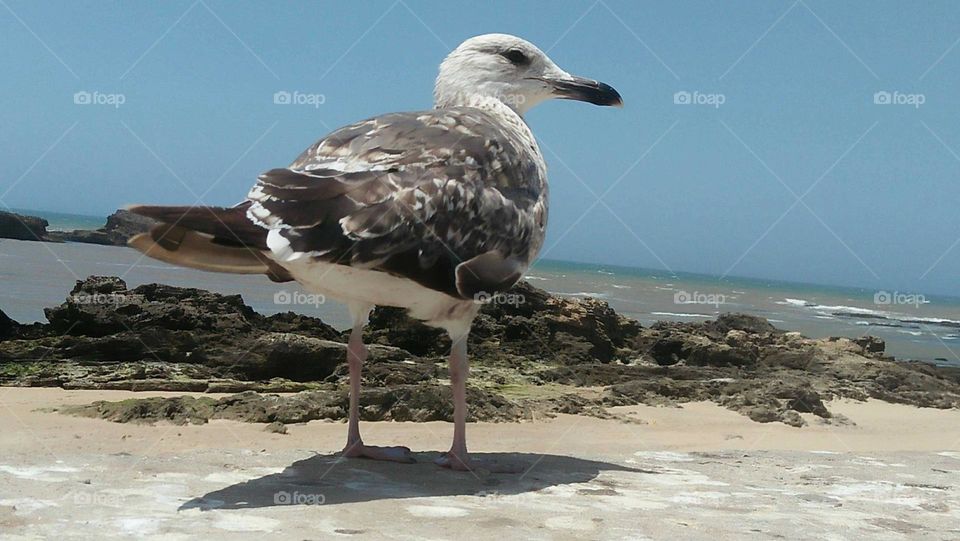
column 588, row 90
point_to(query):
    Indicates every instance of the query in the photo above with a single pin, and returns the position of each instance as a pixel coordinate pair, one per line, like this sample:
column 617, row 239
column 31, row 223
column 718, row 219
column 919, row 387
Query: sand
column 694, row 472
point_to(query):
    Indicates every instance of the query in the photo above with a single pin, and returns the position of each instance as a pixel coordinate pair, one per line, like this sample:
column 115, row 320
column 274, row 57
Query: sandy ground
column 694, row 472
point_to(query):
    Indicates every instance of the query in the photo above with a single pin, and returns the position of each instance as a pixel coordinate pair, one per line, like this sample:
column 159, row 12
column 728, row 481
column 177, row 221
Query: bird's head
column 514, row 71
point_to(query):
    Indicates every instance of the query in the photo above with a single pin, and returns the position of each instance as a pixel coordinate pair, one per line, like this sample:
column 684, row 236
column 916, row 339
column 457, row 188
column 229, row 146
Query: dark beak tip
column 590, row 91
column 615, row 100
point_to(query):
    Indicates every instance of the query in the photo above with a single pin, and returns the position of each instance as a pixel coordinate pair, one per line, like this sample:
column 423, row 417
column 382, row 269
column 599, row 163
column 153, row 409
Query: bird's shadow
column 331, row 480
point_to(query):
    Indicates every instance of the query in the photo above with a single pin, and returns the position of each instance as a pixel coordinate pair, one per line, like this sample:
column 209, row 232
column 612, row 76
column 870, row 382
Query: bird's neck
column 475, row 99
column 507, row 114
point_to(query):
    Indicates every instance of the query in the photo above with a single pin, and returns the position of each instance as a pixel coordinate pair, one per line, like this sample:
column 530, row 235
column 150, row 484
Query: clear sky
column 785, row 169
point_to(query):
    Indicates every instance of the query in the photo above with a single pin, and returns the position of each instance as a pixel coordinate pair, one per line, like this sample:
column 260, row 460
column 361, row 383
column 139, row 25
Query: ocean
column 923, row 328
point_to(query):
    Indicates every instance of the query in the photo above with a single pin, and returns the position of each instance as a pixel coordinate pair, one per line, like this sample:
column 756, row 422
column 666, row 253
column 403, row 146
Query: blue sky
column 797, row 175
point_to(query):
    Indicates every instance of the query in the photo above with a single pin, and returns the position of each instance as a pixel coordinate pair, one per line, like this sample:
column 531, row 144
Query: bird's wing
column 447, row 198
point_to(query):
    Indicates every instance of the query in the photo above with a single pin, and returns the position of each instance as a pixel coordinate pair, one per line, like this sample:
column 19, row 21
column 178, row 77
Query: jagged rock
column 800, row 358
column 524, row 320
column 123, row 224
column 20, row 227
column 741, row 322
column 870, row 344
column 547, row 353
column 393, row 326
column 718, row 354
column 8, row 327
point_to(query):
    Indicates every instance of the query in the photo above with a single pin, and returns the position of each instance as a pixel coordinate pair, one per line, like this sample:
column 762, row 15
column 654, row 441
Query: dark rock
column 8, row 327
column 290, row 322
column 123, row 224
column 717, row 354
column 741, row 322
column 524, row 320
column 393, row 326
column 20, row 227
column 870, row 344
column 804, row 401
column 803, row 358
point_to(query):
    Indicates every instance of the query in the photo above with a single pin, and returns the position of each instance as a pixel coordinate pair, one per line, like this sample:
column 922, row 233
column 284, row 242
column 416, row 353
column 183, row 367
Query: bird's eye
column 515, row 56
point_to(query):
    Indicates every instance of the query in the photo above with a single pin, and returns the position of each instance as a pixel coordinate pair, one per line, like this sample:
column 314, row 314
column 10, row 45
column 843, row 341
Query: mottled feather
column 416, row 195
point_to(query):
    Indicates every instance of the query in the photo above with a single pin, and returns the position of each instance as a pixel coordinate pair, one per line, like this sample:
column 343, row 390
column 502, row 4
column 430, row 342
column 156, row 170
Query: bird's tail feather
column 213, row 239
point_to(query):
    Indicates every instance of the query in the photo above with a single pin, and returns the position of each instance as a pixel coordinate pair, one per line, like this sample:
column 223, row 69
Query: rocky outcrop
column 525, row 322
column 123, row 224
column 102, row 321
column 120, row 226
column 530, row 352
column 20, row 227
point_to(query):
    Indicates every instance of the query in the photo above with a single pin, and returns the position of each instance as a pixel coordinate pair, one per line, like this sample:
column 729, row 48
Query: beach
column 695, row 472
column 169, row 404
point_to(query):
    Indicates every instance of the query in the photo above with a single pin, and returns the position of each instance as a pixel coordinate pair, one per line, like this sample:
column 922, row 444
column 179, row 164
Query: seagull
column 433, row 211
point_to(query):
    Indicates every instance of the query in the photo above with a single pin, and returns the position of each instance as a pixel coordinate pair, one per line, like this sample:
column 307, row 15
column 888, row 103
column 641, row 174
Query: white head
column 514, row 71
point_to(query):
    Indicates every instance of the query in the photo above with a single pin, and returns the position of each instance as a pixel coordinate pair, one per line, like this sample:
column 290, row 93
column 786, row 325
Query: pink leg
column 356, row 354
column 458, row 458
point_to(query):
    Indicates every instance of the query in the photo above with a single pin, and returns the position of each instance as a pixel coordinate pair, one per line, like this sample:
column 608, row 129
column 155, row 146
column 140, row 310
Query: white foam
column 911, row 333
column 935, row 320
column 795, row 302
column 844, row 309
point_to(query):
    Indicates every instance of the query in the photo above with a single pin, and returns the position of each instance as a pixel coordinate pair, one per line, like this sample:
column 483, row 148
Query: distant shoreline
column 61, row 222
